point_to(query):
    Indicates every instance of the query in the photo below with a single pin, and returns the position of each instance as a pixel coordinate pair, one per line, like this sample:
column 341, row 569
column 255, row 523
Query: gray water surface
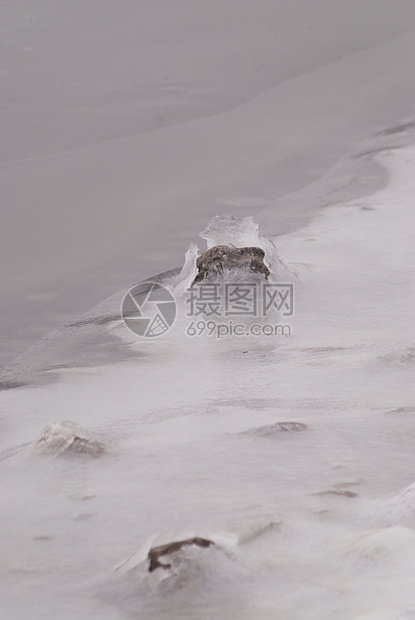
column 127, row 126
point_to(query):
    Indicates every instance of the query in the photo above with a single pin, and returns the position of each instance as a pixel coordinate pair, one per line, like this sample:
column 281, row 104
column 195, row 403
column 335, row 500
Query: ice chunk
column 189, row 270
column 228, row 229
column 242, row 232
column 64, row 438
column 235, row 233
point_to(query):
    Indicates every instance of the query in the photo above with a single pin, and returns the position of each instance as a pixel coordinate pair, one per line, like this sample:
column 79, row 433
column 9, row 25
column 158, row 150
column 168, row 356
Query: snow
column 126, row 128
column 315, row 520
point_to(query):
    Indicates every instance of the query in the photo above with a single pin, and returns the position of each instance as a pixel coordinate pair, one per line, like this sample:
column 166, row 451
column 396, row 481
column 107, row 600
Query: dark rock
column 216, row 260
column 156, row 553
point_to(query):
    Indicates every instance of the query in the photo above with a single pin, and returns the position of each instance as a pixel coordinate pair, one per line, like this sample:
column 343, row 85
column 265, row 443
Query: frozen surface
column 91, row 71
column 126, row 126
column 295, row 455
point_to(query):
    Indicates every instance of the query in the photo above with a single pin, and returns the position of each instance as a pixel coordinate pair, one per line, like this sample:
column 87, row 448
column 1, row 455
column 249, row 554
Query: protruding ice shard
column 228, row 229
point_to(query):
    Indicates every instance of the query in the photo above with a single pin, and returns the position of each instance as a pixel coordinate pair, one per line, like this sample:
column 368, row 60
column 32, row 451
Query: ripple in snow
column 398, row 509
column 273, row 429
column 380, row 546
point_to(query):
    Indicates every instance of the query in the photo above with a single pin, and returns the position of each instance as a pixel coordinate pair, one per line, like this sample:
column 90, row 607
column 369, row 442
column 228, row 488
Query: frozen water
column 227, row 229
column 240, row 232
column 127, row 127
column 313, row 521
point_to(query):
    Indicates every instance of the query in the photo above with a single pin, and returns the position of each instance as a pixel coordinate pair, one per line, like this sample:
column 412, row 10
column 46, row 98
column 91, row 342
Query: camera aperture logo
column 213, row 309
column 149, row 310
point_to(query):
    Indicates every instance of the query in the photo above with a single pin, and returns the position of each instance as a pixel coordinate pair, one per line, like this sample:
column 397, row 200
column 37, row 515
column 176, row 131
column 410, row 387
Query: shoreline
column 353, row 177
column 51, row 350
column 117, row 212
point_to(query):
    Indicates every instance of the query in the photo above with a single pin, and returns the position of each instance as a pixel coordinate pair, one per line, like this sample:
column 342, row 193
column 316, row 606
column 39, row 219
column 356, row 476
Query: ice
column 127, row 128
column 398, row 509
column 65, row 437
column 121, row 142
column 235, row 231
column 227, row 229
column 293, row 454
column 189, row 270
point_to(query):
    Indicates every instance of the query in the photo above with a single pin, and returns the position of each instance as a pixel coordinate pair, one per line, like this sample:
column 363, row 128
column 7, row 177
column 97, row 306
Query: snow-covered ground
column 126, row 126
column 314, row 521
